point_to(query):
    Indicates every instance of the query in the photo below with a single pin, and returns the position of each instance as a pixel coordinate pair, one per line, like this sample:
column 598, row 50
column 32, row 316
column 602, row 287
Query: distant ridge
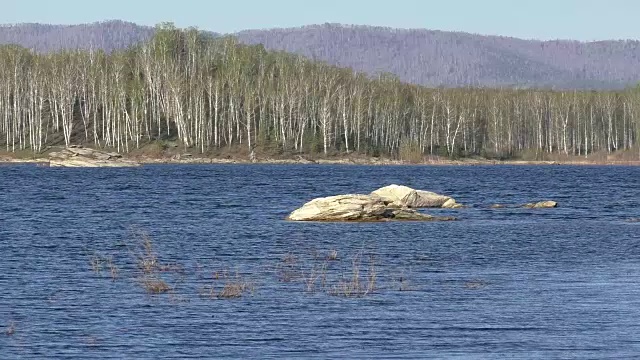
column 107, row 35
column 427, row 57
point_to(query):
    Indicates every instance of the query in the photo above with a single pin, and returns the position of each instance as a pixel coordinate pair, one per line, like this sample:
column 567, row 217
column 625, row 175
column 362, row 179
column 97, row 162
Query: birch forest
column 208, row 93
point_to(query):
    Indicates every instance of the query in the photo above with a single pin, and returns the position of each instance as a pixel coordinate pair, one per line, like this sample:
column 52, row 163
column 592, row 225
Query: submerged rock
column 78, row 156
column 498, row 206
column 452, row 204
column 404, row 196
column 357, row 207
column 541, row 205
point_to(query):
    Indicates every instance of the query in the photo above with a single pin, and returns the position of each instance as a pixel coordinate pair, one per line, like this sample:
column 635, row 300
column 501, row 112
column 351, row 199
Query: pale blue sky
column 541, row 19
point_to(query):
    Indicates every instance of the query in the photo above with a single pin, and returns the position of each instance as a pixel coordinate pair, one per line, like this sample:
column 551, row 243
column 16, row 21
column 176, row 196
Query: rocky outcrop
column 403, row 196
column 452, row 204
column 356, row 207
column 541, row 205
column 78, row 156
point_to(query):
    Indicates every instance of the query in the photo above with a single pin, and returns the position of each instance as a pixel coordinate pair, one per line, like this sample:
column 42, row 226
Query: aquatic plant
column 317, row 272
column 144, row 254
column 234, row 290
column 320, row 271
column 155, row 285
column 113, row 269
column 232, row 287
column 98, row 262
column 142, row 266
column 11, row 329
column 354, row 285
column 288, row 269
column 325, row 274
column 475, row 284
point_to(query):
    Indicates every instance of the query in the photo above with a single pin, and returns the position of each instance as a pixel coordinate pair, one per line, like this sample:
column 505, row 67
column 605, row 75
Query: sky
column 584, row 20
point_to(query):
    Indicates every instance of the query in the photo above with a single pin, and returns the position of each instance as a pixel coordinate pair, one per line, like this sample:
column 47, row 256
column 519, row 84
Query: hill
column 425, row 57
column 108, row 35
column 438, row 58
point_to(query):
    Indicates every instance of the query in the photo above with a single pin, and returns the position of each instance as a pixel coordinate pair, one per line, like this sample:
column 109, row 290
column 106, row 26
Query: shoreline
column 362, row 161
column 81, row 156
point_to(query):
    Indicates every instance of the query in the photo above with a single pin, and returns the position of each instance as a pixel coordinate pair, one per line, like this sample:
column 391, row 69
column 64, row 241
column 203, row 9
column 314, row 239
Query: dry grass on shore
column 170, row 152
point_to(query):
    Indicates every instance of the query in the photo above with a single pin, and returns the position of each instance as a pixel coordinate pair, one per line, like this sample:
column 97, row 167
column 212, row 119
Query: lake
column 516, row 283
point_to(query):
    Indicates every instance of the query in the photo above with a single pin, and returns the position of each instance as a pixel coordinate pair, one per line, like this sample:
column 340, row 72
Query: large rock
column 355, row 207
column 404, row 196
column 541, row 205
column 77, row 156
column 90, row 163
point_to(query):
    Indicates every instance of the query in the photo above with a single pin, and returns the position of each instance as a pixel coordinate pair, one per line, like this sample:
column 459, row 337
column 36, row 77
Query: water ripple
column 512, row 283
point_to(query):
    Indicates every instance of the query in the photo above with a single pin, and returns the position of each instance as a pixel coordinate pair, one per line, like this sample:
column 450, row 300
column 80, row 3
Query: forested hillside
column 439, row 58
column 431, row 58
column 108, row 36
column 209, row 93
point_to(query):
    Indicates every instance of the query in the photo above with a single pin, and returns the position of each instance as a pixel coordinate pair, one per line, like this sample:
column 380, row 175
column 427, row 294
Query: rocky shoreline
column 79, row 156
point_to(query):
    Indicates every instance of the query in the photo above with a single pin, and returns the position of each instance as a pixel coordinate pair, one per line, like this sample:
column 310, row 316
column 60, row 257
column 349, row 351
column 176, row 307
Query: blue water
column 556, row 283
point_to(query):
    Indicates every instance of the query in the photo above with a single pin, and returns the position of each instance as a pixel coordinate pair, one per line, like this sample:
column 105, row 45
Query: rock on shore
column 78, row 156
